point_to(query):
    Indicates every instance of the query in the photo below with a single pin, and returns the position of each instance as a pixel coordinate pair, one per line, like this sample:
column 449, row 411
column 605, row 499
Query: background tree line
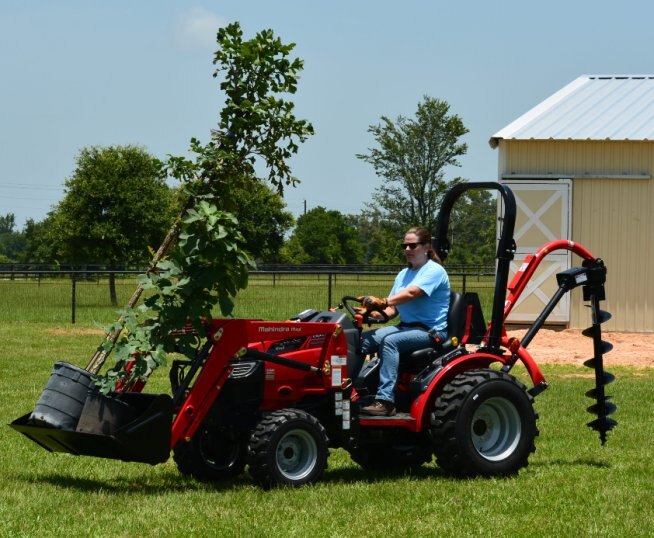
column 117, row 206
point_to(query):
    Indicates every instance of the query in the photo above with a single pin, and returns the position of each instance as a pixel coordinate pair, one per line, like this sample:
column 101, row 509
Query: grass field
column 572, row 487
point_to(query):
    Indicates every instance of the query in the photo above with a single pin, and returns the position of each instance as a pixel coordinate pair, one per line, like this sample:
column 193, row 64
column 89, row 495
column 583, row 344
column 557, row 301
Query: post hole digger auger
column 275, row 396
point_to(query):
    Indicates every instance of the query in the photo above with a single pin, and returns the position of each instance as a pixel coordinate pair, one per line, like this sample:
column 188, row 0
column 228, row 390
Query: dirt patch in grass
column 75, row 332
column 569, row 346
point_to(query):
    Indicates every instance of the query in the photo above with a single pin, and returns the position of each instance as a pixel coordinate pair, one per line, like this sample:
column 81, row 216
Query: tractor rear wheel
column 483, row 424
column 213, row 454
column 287, row 448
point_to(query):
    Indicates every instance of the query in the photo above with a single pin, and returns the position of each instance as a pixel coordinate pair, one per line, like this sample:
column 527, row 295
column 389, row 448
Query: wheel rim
column 296, row 454
column 496, row 429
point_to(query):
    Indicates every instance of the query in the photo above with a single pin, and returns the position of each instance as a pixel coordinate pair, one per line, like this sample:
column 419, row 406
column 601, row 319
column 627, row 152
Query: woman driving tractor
column 420, row 296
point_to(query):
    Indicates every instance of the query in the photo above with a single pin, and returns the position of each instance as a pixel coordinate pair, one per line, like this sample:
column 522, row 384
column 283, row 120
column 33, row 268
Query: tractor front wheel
column 287, row 448
column 213, row 454
column 483, row 424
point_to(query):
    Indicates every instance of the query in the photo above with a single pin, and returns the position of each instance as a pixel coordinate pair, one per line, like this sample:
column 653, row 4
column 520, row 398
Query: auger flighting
column 594, row 292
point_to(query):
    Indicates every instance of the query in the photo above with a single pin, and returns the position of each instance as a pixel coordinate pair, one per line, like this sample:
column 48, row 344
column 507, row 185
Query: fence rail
column 83, row 294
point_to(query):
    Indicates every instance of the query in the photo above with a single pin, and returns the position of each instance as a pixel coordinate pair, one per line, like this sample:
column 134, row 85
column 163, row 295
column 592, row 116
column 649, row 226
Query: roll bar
column 505, row 247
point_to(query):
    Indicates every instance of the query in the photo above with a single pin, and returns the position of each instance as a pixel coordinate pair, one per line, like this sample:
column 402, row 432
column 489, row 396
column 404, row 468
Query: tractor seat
column 415, row 361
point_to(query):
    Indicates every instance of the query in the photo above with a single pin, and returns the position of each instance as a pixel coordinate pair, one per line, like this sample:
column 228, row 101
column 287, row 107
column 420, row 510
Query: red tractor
column 275, row 396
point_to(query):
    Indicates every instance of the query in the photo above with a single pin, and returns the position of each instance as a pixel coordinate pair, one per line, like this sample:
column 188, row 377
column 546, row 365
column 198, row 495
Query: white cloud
column 197, row 28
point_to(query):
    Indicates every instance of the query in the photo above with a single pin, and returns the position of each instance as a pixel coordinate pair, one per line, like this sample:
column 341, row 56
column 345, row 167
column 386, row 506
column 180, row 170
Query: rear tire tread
column 445, row 438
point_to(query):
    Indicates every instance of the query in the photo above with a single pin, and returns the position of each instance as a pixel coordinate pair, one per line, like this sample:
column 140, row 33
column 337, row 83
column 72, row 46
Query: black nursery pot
column 62, row 401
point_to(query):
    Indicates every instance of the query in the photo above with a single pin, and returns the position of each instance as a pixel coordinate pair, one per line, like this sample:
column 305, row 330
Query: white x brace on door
column 543, row 215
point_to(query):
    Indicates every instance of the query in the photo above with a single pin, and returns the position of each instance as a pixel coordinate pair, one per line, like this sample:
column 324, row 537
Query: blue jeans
column 389, row 342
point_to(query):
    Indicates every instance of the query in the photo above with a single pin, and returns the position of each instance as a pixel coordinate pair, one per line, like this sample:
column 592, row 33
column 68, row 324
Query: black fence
column 83, row 294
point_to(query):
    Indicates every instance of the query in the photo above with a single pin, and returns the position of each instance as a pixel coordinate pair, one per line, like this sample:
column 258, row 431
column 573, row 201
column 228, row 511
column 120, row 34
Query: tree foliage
column 412, row 156
column 472, row 229
column 12, row 242
column 116, row 204
column 257, row 128
column 263, row 221
column 39, row 244
column 323, row 236
column 380, row 237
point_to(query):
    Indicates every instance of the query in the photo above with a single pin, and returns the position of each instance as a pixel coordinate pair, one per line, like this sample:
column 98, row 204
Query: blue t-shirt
column 429, row 309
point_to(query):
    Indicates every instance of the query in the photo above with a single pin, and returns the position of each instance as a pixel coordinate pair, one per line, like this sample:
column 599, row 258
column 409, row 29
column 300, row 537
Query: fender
column 422, row 405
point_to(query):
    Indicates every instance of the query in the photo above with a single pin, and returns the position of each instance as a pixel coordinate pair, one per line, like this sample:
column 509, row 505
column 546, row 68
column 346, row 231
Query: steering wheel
column 367, row 318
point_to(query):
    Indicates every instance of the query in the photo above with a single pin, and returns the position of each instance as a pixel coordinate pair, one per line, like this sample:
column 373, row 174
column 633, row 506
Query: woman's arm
column 404, row 296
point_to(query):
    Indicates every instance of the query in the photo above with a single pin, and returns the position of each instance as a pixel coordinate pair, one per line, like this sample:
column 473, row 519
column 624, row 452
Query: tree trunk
column 112, row 285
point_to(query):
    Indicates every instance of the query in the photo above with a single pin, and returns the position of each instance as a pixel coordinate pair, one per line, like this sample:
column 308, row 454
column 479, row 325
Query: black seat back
column 456, row 316
column 474, row 324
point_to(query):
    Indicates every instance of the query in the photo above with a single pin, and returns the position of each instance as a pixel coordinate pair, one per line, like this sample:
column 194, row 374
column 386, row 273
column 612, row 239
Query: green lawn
column 572, row 487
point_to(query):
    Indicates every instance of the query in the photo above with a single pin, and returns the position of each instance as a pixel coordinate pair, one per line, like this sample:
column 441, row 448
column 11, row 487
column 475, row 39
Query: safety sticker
column 336, row 377
column 339, row 361
column 270, row 374
column 338, row 403
column 346, row 414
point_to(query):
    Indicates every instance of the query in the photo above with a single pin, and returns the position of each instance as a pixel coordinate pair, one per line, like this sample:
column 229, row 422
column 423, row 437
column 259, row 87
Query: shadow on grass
column 119, row 485
column 579, row 462
column 174, row 483
column 351, row 475
column 181, row 484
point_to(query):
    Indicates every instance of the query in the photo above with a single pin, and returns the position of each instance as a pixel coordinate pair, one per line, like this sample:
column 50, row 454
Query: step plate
column 399, row 419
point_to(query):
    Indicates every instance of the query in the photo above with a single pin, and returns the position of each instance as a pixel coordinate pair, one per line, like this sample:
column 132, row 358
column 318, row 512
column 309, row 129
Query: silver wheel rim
column 496, row 429
column 296, row 454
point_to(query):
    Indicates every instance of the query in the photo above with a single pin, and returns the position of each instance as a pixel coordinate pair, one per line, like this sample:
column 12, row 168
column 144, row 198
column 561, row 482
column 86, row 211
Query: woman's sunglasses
column 412, row 246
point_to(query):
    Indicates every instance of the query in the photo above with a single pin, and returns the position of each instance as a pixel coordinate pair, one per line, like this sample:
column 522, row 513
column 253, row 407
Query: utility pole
column 305, row 207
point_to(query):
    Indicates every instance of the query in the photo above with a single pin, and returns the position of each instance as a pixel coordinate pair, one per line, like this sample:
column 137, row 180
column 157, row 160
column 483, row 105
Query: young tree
column 116, row 205
column 257, row 131
column 412, row 156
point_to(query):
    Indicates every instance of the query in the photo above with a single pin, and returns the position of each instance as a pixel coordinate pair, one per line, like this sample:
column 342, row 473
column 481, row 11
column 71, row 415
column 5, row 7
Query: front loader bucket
column 128, row 426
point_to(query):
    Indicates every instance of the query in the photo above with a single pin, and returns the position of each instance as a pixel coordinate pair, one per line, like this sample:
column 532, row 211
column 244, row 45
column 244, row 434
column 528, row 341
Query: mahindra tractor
column 276, row 396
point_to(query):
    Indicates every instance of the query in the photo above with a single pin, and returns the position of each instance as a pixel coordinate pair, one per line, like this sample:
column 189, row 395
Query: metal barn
column 581, row 165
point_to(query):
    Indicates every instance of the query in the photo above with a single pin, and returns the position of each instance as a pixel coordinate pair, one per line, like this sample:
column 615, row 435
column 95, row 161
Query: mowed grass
column 572, row 487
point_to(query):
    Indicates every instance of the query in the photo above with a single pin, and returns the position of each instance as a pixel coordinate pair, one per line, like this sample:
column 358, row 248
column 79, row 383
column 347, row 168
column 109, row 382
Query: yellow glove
column 373, row 303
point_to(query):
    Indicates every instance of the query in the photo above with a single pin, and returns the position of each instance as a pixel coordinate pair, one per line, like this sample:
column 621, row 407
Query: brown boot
column 379, row 408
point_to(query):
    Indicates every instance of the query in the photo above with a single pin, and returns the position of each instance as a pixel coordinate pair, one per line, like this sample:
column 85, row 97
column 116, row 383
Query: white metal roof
column 592, row 107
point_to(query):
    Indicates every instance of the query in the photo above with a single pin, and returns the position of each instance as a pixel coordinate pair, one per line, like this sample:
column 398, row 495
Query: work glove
column 372, row 303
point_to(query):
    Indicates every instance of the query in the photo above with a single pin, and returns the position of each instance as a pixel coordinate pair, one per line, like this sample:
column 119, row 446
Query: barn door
column 543, row 215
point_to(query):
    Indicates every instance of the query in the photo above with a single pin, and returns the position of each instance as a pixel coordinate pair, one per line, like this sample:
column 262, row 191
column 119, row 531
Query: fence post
column 329, row 291
column 72, row 301
column 464, row 283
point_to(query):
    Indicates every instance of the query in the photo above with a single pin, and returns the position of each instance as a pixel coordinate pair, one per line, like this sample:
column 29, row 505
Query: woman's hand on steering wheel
column 367, row 310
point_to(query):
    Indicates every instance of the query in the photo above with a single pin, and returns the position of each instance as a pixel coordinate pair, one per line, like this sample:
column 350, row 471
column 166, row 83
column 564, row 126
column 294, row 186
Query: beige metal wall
column 612, row 216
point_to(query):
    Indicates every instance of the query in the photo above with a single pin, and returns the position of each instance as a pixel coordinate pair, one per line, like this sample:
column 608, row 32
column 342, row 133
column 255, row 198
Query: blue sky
column 82, row 73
